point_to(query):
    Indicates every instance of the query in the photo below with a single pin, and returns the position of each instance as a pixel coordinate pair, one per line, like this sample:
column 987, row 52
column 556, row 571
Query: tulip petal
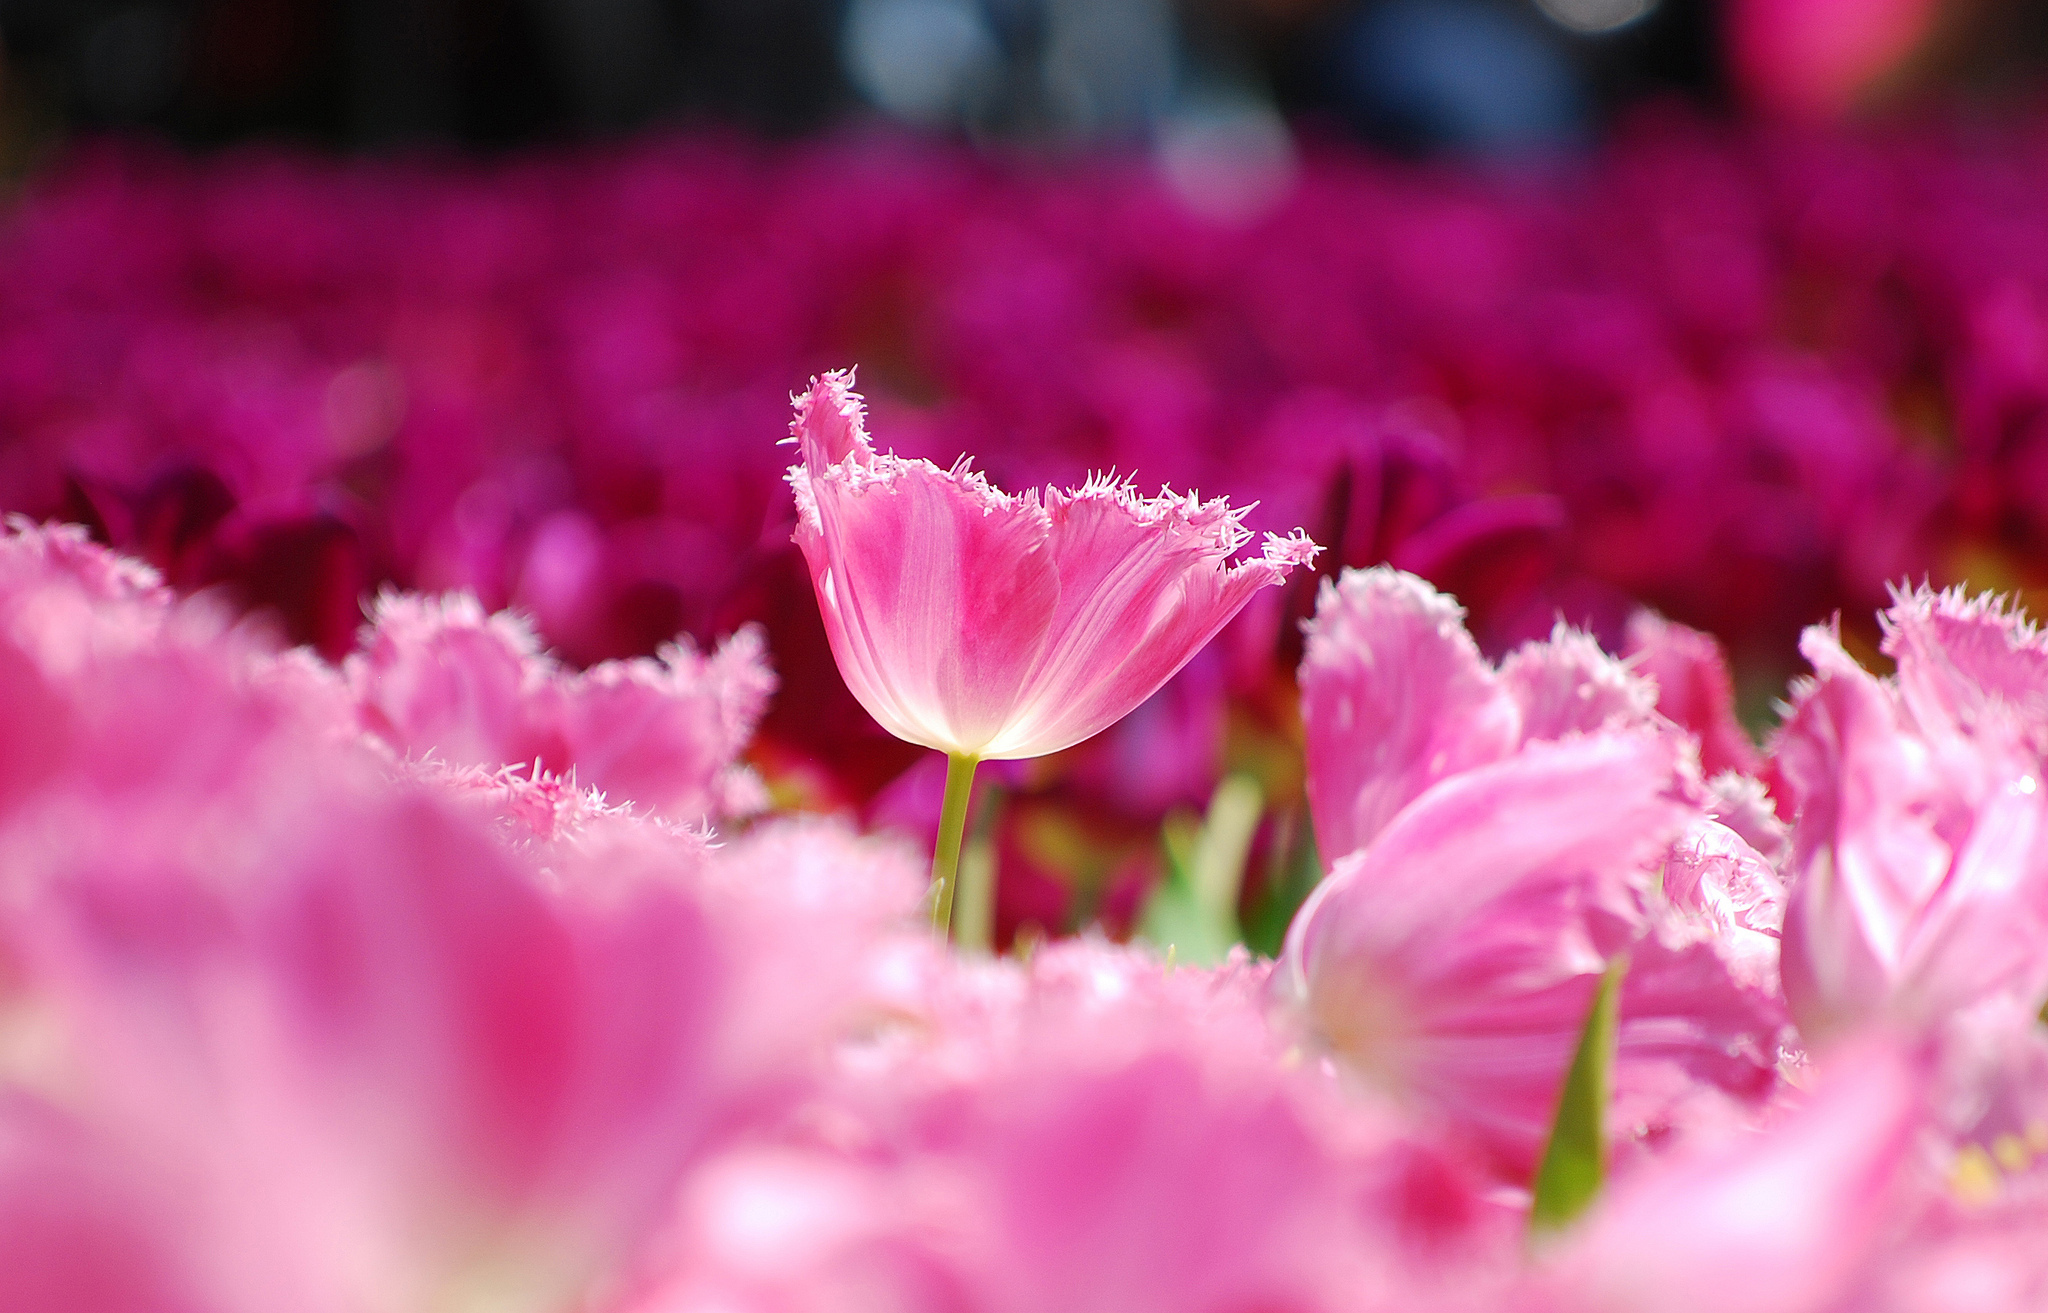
column 1959, row 654
column 1144, row 584
column 998, row 626
column 1983, row 932
column 936, row 589
column 1395, row 696
column 1867, row 849
column 1694, row 689
column 1796, row 1209
column 1567, row 685
column 1456, row 956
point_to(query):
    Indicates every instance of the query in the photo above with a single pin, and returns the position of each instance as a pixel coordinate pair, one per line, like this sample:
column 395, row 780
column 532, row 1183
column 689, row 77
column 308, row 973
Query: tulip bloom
column 991, row 626
column 1920, row 845
column 1451, row 961
column 1497, row 836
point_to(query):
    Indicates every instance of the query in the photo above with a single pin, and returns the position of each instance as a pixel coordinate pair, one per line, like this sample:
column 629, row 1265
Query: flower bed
column 367, row 945
column 297, row 1016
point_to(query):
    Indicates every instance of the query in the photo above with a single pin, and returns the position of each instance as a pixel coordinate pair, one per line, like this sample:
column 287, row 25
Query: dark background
column 1487, row 75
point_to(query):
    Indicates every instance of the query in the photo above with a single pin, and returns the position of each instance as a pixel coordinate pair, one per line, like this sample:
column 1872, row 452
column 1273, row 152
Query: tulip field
column 623, row 729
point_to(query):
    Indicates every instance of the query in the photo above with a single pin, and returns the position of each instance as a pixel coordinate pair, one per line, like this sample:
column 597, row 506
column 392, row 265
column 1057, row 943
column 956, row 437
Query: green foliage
column 1193, row 912
column 1575, row 1161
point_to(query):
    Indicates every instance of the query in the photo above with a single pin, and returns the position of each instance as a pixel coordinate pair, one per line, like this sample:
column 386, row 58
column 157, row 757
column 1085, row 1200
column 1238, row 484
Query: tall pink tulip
column 991, row 626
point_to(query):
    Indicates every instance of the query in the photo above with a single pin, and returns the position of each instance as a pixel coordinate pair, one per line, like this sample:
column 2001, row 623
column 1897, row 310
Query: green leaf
column 1575, row 1160
column 1194, row 910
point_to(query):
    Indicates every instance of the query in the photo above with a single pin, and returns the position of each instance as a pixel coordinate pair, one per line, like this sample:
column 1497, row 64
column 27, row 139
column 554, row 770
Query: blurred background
column 1733, row 311
column 1496, row 76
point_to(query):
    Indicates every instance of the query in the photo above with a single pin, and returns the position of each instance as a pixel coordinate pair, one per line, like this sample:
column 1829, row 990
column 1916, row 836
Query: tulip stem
column 952, row 825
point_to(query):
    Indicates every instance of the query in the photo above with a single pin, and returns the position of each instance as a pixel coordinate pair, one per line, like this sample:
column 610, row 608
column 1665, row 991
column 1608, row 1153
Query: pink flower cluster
column 445, row 977
column 1744, row 378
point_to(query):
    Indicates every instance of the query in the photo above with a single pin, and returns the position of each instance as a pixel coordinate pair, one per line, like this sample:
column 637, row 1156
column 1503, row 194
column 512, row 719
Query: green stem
column 952, row 824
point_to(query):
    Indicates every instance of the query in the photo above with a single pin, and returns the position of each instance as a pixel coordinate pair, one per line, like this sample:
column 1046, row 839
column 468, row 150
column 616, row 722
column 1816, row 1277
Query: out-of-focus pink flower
column 1969, row 1256
column 1091, row 1130
column 439, row 678
column 1782, row 1221
column 1816, row 59
column 374, row 1051
column 1395, row 697
column 1974, row 1243
column 322, row 1037
column 544, row 381
column 995, row 626
column 77, row 1229
column 1920, row 857
column 114, row 689
column 1716, row 878
column 1453, row 958
column 304, row 1027
column 1693, row 688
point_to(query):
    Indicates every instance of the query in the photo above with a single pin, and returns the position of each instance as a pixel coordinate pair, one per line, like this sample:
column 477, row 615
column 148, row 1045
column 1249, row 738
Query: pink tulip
column 1693, row 688
column 1397, row 697
column 436, row 677
column 315, row 1029
column 1090, row 1130
column 1503, row 831
column 1920, row 857
column 992, row 626
column 1451, row 961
